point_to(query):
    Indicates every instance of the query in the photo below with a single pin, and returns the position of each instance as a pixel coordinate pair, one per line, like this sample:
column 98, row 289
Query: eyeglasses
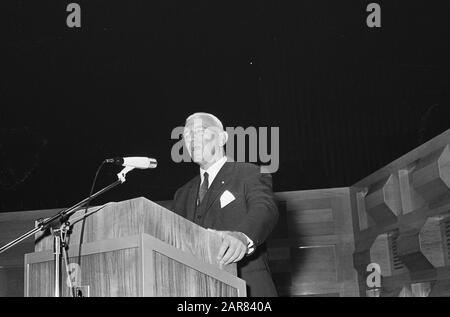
column 203, row 132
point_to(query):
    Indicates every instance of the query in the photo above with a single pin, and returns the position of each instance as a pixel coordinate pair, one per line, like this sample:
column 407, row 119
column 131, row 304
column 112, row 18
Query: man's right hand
column 233, row 248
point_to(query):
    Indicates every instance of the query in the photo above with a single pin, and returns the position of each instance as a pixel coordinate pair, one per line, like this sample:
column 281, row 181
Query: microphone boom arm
column 64, row 214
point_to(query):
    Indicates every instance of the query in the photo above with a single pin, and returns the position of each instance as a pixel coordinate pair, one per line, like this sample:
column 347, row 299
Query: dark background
column 348, row 99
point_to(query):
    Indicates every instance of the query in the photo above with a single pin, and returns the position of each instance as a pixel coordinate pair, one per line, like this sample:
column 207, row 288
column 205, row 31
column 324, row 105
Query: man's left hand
column 233, row 248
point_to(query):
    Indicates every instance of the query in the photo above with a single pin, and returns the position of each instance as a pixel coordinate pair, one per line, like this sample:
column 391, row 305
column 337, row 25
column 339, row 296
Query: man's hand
column 233, row 248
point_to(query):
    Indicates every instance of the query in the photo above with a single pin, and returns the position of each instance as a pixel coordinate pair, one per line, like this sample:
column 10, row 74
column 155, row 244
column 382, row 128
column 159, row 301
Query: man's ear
column 223, row 138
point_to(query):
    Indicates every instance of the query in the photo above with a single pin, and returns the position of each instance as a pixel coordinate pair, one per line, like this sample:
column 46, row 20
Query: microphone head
column 139, row 162
column 153, row 163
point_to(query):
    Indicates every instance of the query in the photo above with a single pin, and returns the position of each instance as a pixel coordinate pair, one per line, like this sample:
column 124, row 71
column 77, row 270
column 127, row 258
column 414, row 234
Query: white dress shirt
column 212, row 171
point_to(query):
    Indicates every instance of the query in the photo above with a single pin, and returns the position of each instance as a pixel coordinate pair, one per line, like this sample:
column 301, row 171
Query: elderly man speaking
column 234, row 198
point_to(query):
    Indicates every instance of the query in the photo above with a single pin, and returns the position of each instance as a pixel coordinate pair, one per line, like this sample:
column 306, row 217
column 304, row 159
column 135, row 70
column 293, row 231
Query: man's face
column 201, row 140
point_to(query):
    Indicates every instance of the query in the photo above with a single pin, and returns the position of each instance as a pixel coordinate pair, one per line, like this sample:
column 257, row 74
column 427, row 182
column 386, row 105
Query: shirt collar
column 213, row 170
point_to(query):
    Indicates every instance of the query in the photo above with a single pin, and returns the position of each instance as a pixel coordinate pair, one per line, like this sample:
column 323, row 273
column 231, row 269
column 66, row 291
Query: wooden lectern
column 135, row 248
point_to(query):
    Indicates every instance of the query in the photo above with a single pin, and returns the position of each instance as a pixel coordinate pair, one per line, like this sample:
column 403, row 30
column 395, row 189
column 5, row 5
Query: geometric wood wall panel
column 401, row 211
column 383, row 202
column 313, row 264
column 416, row 290
column 410, row 253
column 431, row 176
column 310, row 250
column 397, row 265
column 312, row 222
column 441, row 288
column 364, row 220
column 309, row 217
column 384, row 252
column 445, row 230
column 431, row 243
column 313, row 270
column 445, row 236
column 380, row 254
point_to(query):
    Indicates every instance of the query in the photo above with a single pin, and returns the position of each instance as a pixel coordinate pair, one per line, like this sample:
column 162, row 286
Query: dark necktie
column 203, row 188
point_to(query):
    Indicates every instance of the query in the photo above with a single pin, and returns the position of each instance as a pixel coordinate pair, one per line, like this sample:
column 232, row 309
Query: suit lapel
column 192, row 198
column 220, row 180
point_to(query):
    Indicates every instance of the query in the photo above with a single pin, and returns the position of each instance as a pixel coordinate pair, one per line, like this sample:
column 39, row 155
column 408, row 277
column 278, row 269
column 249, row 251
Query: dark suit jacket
column 253, row 212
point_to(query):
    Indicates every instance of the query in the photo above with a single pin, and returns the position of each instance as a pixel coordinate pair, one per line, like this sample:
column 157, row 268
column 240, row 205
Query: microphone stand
column 63, row 216
column 64, row 231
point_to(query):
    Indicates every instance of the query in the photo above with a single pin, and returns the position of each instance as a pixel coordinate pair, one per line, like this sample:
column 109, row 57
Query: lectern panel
column 106, row 274
column 139, row 265
column 172, row 278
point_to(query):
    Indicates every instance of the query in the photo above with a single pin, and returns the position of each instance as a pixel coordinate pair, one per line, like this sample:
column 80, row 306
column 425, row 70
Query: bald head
column 207, row 120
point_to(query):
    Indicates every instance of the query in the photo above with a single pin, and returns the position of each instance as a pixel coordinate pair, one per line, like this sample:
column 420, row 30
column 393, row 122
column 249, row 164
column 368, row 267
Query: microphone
column 134, row 161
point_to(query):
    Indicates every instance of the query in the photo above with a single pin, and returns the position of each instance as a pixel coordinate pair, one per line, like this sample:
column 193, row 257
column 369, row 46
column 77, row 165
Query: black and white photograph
column 240, row 150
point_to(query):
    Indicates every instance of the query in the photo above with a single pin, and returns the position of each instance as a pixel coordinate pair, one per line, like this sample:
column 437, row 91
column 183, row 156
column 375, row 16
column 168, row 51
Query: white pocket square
column 226, row 198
